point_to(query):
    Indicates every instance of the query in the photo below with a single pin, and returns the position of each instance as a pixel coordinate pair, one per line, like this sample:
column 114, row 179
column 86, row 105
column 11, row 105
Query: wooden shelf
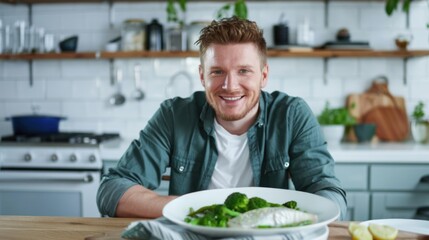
column 179, row 54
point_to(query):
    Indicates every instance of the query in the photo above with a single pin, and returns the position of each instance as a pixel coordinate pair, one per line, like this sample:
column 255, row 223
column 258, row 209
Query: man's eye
column 216, row 72
column 242, row 71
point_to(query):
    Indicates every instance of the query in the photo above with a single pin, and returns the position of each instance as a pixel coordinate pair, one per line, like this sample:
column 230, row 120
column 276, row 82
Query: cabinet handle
column 424, row 179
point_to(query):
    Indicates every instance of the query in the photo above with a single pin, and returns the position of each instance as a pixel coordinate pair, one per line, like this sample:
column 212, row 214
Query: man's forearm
column 139, row 201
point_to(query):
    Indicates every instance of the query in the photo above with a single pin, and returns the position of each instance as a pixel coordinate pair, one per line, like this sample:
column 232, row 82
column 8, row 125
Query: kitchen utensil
column 69, row 44
column 118, row 98
column 377, row 105
column 138, row 93
column 35, row 124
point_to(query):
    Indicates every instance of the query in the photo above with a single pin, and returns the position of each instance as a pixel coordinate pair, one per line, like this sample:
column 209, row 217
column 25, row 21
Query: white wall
column 78, row 89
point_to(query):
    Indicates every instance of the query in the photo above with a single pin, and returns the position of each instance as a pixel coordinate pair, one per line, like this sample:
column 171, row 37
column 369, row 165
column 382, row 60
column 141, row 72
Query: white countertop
column 408, row 152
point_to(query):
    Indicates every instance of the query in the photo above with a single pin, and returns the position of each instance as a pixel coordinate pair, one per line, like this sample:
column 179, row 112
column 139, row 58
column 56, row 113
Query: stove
column 51, row 175
column 64, row 150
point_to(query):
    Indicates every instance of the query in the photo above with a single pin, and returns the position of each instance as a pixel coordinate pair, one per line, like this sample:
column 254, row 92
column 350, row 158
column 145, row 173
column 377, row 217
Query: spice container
column 133, row 35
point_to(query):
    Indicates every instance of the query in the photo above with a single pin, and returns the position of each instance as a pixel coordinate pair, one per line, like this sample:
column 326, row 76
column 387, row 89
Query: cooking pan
column 35, row 124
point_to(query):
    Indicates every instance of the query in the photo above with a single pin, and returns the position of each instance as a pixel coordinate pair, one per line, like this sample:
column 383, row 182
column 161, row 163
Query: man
column 232, row 135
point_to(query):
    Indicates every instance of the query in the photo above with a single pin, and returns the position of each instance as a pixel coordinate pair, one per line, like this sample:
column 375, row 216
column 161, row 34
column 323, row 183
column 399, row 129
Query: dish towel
column 164, row 229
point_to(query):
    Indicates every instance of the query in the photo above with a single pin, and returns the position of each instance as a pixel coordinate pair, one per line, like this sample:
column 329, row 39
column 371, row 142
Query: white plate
column 176, row 210
column 407, row 225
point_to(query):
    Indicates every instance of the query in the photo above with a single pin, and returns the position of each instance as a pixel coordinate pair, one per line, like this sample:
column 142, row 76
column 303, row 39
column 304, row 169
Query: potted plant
column 239, row 10
column 419, row 126
column 333, row 122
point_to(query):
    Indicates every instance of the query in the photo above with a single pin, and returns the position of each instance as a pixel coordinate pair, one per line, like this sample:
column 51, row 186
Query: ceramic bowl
column 364, row 131
column 69, row 44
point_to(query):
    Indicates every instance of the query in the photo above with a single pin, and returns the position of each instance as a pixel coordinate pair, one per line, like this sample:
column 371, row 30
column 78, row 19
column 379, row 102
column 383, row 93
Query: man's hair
column 232, row 30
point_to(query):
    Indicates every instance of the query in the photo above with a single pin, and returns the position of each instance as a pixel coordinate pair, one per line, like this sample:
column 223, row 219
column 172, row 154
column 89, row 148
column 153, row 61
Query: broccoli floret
column 291, row 204
column 257, row 202
column 216, row 215
column 237, row 201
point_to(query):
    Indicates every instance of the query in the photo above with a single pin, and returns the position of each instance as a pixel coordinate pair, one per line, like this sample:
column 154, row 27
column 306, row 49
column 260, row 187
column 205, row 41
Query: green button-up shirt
column 285, row 143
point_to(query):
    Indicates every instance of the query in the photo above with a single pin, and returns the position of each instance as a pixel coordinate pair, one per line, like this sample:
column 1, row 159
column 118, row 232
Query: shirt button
column 181, row 168
column 260, row 124
column 286, row 164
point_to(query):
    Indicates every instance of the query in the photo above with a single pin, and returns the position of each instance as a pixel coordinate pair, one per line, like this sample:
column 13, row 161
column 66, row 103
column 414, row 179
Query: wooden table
column 68, row 228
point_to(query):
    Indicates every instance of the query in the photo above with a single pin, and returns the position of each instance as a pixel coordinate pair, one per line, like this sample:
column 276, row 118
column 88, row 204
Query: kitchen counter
column 69, row 228
column 406, row 152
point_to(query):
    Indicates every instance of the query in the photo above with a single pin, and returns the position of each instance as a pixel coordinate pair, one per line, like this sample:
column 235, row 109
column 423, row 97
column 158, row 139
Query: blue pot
column 35, row 124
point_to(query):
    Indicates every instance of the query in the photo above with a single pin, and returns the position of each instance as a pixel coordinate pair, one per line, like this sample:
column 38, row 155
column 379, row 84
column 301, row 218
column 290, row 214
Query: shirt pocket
column 275, row 172
column 185, row 174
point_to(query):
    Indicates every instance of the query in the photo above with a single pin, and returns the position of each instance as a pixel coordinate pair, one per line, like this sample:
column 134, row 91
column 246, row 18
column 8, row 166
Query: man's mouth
column 232, row 98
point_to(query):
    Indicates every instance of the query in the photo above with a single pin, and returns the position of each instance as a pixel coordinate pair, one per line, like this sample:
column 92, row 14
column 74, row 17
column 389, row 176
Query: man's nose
column 230, row 81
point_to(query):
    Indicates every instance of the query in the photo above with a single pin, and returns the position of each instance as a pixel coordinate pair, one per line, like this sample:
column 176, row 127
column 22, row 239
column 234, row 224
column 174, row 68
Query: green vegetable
column 291, row 204
column 218, row 215
column 240, row 10
column 237, row 201
column 336, row 116
column 257, row 202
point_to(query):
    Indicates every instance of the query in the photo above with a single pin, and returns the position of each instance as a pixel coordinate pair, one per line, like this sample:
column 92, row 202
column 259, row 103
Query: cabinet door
column 398, row 205
column 352, row 176
column 413, row 177
column 357, row 206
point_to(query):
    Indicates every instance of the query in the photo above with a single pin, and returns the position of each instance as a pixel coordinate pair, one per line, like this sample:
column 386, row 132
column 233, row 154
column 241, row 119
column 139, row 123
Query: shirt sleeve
column 312, row 168
column 143, row 163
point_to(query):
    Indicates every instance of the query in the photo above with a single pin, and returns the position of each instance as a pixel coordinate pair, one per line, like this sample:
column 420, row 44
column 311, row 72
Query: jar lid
column 205, row 23
column 134, row 20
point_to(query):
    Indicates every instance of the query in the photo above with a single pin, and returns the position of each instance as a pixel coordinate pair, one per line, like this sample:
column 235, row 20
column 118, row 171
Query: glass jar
column 194, row 33
column 133, row 35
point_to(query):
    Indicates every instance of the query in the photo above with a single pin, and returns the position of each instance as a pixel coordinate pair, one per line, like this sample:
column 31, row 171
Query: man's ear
column 201, row 72
column 264, row 79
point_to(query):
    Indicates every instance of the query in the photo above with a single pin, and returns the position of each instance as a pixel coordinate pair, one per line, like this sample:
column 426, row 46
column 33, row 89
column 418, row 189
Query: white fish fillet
column 270, row 216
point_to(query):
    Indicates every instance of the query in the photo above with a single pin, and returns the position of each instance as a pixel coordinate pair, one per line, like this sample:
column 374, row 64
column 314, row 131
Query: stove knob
column 27, row 157
column 92, row 158
column 73, row 158
column 54, row 157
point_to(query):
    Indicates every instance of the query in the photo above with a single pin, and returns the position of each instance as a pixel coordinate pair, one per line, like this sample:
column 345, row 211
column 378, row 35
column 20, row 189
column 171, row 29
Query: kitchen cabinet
column 376, row 190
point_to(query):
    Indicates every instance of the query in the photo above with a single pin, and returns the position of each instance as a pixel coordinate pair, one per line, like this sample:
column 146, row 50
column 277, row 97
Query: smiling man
column 231, row 135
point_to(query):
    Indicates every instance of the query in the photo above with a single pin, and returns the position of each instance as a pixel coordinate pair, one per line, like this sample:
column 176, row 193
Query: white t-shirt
column 232, row 168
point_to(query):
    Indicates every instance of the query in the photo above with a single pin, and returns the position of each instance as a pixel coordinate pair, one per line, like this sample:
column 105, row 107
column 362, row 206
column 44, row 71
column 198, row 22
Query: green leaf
column 240, row 9
column 182, row 4
column 406, row 5
column 223, row 11
column 391, row 5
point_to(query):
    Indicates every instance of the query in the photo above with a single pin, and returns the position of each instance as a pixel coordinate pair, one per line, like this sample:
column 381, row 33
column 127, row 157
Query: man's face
column 233, row 76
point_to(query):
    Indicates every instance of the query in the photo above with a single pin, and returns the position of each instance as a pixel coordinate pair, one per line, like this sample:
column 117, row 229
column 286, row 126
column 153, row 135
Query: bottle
column 154, row 36
column 281, row 34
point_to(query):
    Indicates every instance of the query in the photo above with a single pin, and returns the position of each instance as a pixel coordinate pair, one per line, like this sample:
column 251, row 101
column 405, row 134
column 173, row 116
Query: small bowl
column 69, row 44
column 364, row 131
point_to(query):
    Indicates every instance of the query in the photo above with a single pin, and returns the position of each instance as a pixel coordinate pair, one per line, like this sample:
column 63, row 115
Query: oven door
column 49, row 193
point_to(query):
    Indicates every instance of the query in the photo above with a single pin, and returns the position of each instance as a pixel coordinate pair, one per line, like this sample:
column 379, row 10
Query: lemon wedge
column 359, row 232
column 383, row 232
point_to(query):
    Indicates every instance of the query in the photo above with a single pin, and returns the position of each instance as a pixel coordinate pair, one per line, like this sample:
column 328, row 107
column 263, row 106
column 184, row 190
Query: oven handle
column 7, row 176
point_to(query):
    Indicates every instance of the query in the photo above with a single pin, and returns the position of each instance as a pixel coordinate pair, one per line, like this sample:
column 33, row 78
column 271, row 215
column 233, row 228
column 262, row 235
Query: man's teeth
column 231, row 98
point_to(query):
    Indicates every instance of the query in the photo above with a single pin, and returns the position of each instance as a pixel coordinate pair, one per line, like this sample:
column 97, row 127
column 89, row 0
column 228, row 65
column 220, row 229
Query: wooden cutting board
column 390, row 117
column 366, row 101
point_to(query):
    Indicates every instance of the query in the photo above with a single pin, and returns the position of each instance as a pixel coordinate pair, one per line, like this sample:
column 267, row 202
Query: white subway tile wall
column 79, row 89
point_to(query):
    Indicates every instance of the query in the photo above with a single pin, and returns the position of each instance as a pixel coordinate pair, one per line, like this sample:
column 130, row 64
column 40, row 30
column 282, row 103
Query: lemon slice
column 383, row 232
column 359, row 232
